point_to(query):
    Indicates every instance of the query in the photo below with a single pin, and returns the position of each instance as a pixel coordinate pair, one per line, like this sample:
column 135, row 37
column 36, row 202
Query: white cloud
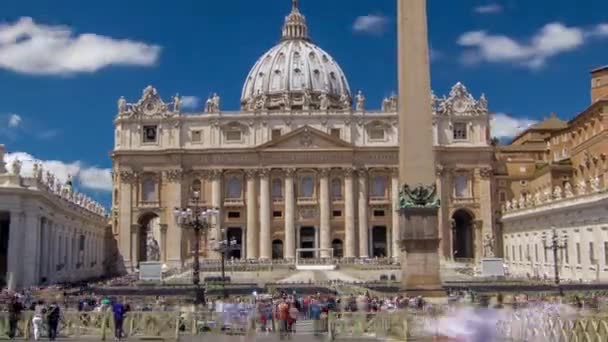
column 505, row 126
column 88, row 177
column 549, row 41
column 374, row 24
column 31, row 48
column 14, row 120
column 191, row 102
column 600, row 30
column 488, row 9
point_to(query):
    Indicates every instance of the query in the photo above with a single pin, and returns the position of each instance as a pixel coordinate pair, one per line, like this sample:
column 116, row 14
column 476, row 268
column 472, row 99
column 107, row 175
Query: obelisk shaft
column 418, row 207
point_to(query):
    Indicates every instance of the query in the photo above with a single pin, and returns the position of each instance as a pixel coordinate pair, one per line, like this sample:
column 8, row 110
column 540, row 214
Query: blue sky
column 64, row 63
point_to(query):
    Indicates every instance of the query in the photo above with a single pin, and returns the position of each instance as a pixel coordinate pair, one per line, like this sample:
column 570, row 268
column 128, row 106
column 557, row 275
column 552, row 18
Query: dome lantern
column 295, row 24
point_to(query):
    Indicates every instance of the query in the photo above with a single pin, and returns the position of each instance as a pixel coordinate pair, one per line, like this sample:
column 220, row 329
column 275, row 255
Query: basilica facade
column 303, row 164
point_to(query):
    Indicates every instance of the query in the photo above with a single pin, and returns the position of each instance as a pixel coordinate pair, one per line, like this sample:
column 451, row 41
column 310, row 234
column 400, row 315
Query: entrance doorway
column 5, row 222
column 149, row 238
column 462, row 235
column 277, row 249
column 338, row 249
column 307, row 240
column 379, row 241
column 235, row 234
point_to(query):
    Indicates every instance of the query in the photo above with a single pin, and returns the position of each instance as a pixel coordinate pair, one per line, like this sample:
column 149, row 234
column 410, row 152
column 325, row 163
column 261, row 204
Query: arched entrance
column 379, row 241
column 277, row 249
column 149, row 238
column 462, row 235
column 336, row 244
column 5, row 222
column 235, row 234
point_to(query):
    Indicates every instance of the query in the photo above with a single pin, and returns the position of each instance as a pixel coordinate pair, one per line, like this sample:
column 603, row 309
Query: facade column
column 216, row 202
column 31, row 260
column 396, row 231
column 265, row 228
column 363, row 216
column 14, row 274
column 325, row 236
column 174, row 197
column 163, row 243
column 485, row 204
column 69, row 247
column 135, row 245
column 128, row 180
column 290, row 241
column 252, row 217
column 47, row 250
column 349, row 215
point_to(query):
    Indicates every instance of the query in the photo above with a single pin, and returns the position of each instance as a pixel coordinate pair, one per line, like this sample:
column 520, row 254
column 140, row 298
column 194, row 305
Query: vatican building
column 305, row 169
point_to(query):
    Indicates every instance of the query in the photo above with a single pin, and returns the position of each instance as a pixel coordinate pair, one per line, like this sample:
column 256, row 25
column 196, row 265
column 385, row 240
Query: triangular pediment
column 306, row 137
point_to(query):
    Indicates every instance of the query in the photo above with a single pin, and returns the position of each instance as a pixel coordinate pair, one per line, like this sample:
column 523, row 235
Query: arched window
column 234, row 188
column 307, row 187
column 149, row 189
column 379, row 186
column 336, row 189
column 277, row 188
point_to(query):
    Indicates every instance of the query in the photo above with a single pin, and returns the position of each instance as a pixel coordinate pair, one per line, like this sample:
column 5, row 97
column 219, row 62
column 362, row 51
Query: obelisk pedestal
column 418, row 203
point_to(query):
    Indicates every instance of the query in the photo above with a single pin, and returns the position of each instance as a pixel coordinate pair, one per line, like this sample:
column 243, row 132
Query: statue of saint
column 122, row 105
column 16, row 167
column 323, row 102
column 209, row 105
column 177, row 103
column 152, row 249
column 216, row 102
column 488, row 246
column 595, row 184
column 386, row 103
column 345, row 101
column 306, row 100
column 360, row 101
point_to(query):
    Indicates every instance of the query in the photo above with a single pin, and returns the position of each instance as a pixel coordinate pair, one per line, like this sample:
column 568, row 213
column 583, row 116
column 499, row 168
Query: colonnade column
column 252, row 220
column 363, row 232
column 325, row 235
column 349, row 215
column 290, row 238
column 15, row 265
column 396, row 231
column 265, row 243
column 216, row 202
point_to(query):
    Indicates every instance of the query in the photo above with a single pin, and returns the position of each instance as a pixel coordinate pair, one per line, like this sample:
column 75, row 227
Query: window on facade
column 336, row 189
column 605, row 253
column 578, row 253
column 521, row 256
column 149, row 134
column 591, row 253
column 337, row 213
column 507, row 252
column 379, row 186
column 460, row 131
column 335, row 132
column 233, row 135
column 307, row 187
column 376, row 133
column 502, row 196
column 197, row 136
column 513, row 253
column 277, row 188
column 536, row 252
column 379, row 213
column 461, row 186
column 545, row 255
column 234, row 214
column 567, row 256
column 528, row 257
column 276, row 133
column 234, row 188
column 148, row 188
column 277, row 214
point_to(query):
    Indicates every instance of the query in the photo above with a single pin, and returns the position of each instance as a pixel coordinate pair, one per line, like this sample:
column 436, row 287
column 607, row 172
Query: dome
column 296, row 74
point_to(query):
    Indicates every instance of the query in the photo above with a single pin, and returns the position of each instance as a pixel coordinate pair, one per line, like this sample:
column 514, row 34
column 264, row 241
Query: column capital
column 290, row 171
column 163, row 227
column 134, row 228
column 362, row 171
column 486, row 172
column 173, row 176
column 128, row 176
column 439, row 170
column 251, row 173
column 215, row 174
column 394, row 171
column 324, row 172
column 349, row 171
column 264, row 173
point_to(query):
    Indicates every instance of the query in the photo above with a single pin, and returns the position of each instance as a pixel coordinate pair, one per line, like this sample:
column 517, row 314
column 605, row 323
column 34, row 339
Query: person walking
column 283, row 316
column 52, row 319
column 14, row 314
column 38, row 320
column 119, row 311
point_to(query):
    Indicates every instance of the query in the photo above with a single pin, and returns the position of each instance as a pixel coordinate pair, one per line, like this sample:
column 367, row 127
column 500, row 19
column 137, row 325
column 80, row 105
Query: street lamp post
column 198, row 219
column 223, row 247
column 554, row 243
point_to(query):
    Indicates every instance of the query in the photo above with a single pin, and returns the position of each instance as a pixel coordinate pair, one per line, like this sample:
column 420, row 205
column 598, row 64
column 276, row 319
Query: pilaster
column 290, row 241
column 252, row 219
column 325, row 225
column 174, row 198
column 265, row 228
column 349, row 215
column 363, row 214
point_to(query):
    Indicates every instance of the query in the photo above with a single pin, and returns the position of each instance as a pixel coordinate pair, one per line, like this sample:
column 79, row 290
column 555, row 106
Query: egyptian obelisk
column 418, row 202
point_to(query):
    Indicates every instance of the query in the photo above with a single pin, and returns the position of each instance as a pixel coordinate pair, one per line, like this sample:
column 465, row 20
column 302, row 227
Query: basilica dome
column 296, row 74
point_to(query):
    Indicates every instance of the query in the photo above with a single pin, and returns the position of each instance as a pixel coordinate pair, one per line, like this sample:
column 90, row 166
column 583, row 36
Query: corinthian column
column 395, row 215
column 349, row 215
column 324, row 212
column 252, row 217
column 363, row 207
column 290, row 233
column 265, row 243
column 216, row 202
